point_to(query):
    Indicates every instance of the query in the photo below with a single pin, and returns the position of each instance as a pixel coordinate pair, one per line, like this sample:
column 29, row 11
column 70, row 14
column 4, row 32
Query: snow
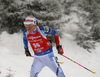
column 12, row 58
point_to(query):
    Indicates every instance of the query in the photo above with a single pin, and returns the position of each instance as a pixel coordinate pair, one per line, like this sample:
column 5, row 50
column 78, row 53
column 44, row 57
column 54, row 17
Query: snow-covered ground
column 13, row 60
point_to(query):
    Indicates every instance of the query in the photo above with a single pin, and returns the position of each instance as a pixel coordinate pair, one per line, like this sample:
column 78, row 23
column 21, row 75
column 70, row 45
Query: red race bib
column 38, row 43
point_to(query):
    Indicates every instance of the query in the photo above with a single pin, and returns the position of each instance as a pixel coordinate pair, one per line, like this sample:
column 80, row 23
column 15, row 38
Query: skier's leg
column 59, row 72
column 36, row 67
column 54, row 66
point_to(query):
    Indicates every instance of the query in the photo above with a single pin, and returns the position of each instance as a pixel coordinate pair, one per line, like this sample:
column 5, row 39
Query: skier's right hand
column 60, row 50
column 27, row 53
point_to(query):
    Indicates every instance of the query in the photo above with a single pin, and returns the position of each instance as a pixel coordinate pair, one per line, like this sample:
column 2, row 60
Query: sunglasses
column 29, row 24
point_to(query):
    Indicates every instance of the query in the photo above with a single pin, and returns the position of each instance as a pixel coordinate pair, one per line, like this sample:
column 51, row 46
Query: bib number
column 36, row 45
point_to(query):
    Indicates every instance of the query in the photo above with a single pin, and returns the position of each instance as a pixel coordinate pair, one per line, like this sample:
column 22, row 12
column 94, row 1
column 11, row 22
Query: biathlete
column 43, row 52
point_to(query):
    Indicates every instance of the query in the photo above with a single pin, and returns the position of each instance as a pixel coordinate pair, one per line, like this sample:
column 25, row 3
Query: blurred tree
column 11, row 17
column 88, row 22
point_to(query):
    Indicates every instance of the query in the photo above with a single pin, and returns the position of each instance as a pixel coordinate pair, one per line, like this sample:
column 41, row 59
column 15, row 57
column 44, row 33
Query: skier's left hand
column 27, row 53
column 60, row 50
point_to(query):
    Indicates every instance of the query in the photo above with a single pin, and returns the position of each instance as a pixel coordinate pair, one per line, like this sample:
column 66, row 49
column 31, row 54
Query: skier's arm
column 57, row 41
column 58, row 45
column 25, row 41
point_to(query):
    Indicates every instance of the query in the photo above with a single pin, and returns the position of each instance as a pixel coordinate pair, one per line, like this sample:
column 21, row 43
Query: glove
column 27, row 53
column 60, row 49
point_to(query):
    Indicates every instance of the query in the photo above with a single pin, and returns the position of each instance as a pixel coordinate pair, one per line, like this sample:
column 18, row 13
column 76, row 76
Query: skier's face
column 30, row 27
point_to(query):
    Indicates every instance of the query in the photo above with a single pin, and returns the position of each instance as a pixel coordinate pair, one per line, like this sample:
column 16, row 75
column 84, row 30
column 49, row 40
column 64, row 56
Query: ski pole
column 79, row 64
column 32, row 56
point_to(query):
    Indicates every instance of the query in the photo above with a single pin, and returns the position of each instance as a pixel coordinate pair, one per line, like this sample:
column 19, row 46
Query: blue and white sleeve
column 25, row 41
